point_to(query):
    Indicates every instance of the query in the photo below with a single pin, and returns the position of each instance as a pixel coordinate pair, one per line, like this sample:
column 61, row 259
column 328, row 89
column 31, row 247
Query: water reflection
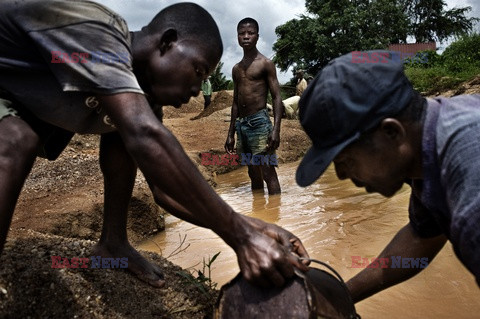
column 335, row 221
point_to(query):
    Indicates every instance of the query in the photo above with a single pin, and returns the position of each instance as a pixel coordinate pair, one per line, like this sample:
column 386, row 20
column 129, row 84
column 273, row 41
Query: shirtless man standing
column 253, row 76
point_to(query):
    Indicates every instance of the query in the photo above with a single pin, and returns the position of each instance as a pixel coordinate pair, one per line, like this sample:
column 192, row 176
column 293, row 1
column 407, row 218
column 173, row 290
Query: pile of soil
column 31, row 288
column 220, row 100
column 68, row 197
column 469, row 87
column 195, row 105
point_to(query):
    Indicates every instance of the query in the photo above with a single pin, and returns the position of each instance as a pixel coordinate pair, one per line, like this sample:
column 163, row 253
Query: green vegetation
column 201, row 279
column 218, row 79
column 459, row 62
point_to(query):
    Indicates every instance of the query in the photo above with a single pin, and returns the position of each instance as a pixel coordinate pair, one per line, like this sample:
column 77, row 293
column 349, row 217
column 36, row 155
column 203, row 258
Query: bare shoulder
column 235, row 70
column 266, row 62
column 263, row 58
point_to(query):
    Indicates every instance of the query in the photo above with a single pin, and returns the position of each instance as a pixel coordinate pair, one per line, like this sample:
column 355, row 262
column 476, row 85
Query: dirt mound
column 145, row 219
column 31, row 288
column 469, row 87
column 220, row 101
column 195, row 105
column 68, row 197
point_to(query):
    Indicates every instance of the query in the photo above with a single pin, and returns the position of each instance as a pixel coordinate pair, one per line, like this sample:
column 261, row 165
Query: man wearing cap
column 380, row 133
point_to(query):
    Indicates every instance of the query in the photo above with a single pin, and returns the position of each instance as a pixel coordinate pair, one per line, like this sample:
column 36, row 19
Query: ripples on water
column 335, row 220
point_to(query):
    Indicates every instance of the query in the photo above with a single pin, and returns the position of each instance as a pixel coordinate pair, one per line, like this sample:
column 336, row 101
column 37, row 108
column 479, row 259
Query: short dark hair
column 414, row 112
column 249, row 20
column 192, row 22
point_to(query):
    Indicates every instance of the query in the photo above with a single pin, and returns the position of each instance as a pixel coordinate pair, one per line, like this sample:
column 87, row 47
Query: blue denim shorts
column 252, row 133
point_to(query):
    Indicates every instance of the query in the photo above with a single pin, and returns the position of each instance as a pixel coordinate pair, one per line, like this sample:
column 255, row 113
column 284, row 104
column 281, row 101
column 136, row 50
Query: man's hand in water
column 268, row 256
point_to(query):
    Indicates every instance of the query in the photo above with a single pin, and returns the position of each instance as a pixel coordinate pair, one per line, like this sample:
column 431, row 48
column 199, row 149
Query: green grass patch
column 439, row 78
column 460, row 62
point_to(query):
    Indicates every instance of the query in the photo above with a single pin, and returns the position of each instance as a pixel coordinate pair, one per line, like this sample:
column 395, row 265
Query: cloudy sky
column 268, row 13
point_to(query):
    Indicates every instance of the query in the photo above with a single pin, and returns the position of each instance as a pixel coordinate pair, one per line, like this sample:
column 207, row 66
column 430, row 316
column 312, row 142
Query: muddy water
column 335, row 221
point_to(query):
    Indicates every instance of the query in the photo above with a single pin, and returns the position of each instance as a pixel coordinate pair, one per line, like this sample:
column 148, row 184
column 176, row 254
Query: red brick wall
column 412, row 48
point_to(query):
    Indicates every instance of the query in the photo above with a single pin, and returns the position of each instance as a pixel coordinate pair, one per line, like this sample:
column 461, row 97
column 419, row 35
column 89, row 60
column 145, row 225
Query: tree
column 218, row 79
column 429, row 21
column 335, row 27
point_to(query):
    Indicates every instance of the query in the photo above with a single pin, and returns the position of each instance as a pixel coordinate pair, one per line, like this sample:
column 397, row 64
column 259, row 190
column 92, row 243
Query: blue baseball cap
column 348, row 97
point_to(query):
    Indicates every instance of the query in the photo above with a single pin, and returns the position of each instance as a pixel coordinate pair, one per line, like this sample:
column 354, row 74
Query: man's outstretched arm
column 406, row 244
column 169, row 170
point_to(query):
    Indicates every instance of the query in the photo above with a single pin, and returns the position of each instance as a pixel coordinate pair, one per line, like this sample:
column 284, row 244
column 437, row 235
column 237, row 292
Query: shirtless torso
column 251, row 86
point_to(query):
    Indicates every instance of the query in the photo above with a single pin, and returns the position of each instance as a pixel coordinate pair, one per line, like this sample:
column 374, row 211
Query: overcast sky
column 227, row 13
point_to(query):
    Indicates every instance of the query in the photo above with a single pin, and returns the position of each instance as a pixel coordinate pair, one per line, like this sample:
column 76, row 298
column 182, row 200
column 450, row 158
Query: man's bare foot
column 137, row 264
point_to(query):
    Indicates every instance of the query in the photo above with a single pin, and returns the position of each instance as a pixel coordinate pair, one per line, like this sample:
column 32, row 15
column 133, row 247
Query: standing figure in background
column 301, row 83
column 257, row 140
column 207, row 92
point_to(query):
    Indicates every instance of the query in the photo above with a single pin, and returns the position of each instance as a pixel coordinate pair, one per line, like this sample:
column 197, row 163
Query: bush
column 426, row 80
column 431, row 80
column 459, row 62
column 462, row 54
column 423, row 59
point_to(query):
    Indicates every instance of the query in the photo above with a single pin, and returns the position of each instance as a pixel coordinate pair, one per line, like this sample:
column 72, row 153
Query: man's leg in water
column 119, row 171
column 255, row 174
column 18, row 150
column 271, row 178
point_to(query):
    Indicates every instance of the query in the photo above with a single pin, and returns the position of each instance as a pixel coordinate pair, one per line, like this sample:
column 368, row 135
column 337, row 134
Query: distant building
column 410, row 49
